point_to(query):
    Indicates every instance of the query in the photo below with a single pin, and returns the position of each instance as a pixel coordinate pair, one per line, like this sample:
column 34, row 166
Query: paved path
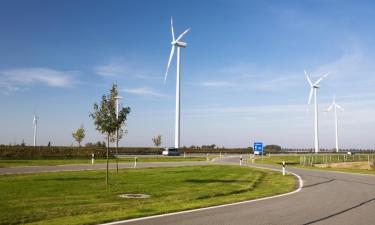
column 326, row 198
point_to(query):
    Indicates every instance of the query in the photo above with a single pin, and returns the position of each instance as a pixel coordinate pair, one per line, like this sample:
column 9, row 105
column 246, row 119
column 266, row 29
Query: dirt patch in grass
column 346, row 165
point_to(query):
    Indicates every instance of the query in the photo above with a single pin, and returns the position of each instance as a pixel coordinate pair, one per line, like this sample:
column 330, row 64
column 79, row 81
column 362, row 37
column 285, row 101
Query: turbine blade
column 169, row 63
column 308, row 78
column 339, row 107
column 310, row 95
column 329, row 108
column 172, row 29
column 181, row 35
column 320, row 79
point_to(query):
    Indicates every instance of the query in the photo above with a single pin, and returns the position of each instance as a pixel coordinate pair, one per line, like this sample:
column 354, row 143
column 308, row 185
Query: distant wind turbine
column 335, row 106
column 176, row 43
column 35, row 122
column 313, row 89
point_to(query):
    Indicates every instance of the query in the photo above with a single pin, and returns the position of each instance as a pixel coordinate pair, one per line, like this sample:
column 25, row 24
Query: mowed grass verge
column 54, row 162
column 83, row 198
column 294, row 161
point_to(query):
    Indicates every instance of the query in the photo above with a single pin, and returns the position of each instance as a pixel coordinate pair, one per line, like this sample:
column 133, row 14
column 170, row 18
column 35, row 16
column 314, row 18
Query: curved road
column 326, row 198
column 330, row 198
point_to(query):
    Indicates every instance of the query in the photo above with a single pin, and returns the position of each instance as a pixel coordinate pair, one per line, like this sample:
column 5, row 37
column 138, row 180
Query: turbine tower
column 176, row 43
column 313, row 89
column 117, row 108
column 35, row 122
column 335, row 106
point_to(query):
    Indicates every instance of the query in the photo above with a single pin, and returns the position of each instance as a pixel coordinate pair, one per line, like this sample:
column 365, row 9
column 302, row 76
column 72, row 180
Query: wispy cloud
column 20, row 79
column 143, row 91
column 214, row 84
column 118, row 68
column 112, row 69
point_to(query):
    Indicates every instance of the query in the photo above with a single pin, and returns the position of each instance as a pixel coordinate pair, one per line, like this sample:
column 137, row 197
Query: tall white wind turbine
column 35, row 122
column 335, row 107
column 313, row 89
column 176, row 43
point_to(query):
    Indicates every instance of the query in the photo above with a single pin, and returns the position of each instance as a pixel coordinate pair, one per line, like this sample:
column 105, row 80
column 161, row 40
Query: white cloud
column 121, row 68
column 19, row 79
column 112, row 69
column 216, row 84
column 142, row 91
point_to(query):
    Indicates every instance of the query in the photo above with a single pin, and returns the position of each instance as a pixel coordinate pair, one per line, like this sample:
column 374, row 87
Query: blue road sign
column 258, row 148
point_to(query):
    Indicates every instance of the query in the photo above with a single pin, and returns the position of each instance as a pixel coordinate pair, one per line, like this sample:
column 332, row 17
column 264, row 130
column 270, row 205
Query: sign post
column 258, row 149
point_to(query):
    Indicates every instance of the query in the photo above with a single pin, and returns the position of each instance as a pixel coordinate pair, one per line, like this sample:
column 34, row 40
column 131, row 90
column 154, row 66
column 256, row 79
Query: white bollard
column 135, row 162
column 207, row 157
column 220, row 155
column 241, row 160
column 283, row 168
column 92, row 158
column 184, row 154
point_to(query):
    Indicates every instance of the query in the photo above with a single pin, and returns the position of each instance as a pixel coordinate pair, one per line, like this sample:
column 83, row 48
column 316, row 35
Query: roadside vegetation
column 357, row 163
column 84, row 198
column 55, row 162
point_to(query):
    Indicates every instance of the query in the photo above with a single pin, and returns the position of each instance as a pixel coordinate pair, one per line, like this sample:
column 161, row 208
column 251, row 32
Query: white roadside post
column 241, row 160
column 207, row 156
column 135, row 162
column 368, row 159
column 283, row 168
column 220, row 155
column 184, row 154
column 92, row 158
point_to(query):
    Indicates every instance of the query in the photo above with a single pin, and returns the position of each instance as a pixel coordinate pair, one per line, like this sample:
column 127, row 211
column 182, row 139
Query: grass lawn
column 83, row 198
column 54, row 162
column 294, row 161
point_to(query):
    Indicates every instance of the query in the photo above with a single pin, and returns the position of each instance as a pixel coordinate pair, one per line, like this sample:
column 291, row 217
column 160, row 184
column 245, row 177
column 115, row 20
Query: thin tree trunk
column 106, row 177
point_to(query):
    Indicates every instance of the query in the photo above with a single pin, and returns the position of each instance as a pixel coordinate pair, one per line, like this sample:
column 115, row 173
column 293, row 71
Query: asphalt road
column 326, row 198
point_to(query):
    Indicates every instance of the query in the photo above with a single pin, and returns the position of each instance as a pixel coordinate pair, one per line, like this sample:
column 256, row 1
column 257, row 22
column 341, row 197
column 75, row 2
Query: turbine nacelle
column 179, row 44
column 176, row 42
column 314, row 85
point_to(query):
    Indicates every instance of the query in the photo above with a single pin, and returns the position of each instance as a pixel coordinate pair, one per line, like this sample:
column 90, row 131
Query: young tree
column 104, row 116
column 79, row 135
column 157, row 140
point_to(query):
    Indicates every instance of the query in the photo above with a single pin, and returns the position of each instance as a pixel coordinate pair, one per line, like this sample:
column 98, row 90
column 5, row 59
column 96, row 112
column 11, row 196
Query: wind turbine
column 335, row 106
column 35, row 122
column 176, row 43
column 313, row 89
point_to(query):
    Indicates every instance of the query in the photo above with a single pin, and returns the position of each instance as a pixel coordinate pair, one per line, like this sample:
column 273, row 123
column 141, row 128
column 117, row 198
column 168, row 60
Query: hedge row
column 29, row 152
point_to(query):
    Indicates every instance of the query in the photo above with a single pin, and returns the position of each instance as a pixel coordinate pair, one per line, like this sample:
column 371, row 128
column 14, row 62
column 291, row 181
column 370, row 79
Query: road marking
column 300, row 182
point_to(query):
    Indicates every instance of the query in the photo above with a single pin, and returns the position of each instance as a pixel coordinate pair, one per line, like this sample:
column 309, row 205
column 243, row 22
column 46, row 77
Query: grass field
column 83, row 198
column 330, row 162
column 55, row 162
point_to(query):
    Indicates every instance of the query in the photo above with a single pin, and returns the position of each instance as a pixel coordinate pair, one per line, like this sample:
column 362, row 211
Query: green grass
column 83, row 198
column 55, row 162
column 294, row 161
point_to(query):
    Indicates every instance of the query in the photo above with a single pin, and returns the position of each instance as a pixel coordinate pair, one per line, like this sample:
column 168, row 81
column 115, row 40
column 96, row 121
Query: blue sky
column 242, row 71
